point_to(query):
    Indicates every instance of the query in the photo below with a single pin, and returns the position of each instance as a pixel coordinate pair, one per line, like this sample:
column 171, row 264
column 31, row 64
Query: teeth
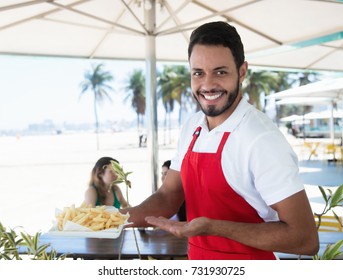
column 212, row 97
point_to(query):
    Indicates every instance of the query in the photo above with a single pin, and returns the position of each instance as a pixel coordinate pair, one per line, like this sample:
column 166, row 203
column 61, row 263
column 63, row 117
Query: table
column 152, row 243
column 156, row 244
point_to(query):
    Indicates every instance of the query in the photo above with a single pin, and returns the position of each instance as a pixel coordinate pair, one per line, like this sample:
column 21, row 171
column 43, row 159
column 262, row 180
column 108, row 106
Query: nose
column 208, row 83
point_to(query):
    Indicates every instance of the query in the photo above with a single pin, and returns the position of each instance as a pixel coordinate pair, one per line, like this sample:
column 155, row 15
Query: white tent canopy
column 301, row 34
column 314, row 115
column 304, row 101
column 324, row 114
column 292, row 118
column 331, row 89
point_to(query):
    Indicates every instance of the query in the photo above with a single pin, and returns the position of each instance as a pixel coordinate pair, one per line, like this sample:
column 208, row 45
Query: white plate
column 107, row 233
column 75, row 230
column 91, row 234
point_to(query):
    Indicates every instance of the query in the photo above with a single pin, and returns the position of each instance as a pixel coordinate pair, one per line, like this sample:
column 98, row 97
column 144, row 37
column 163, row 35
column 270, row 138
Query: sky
column 34, row 89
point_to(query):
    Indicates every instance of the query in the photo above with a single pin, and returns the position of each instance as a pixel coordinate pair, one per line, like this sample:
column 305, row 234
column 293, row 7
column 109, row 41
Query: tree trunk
column 96, row 123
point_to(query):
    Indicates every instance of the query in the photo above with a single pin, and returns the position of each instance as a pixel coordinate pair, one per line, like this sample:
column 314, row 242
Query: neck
column 213, row 122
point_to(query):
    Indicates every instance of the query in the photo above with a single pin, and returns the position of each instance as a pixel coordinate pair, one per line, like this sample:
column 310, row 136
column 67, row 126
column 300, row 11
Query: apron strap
column 222, row 142
column 196, row 134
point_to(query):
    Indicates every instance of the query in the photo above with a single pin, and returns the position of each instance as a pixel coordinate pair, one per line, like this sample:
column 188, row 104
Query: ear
column 243, row 71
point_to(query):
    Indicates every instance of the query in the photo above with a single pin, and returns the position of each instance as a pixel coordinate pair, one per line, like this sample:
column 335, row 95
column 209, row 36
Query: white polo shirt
column 257, row 161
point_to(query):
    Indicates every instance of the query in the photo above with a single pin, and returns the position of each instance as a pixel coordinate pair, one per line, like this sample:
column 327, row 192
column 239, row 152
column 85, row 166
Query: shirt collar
column 231, row 122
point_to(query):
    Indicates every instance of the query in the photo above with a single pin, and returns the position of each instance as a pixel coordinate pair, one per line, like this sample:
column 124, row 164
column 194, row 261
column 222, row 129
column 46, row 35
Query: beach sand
column 41, row 173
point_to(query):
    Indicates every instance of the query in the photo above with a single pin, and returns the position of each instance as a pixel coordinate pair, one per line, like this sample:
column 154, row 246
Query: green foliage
column 258, row 82
column 122, row 177
column 11, row 241
column 96, row 81
column 135, row 90
column 332, row 200
column 331, row 252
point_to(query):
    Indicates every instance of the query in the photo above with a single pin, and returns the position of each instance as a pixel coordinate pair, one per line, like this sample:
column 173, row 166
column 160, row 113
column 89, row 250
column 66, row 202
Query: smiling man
column 233, row 167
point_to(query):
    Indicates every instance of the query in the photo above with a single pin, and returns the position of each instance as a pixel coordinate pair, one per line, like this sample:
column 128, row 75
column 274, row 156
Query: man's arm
column 295, row 232
column 165, row 202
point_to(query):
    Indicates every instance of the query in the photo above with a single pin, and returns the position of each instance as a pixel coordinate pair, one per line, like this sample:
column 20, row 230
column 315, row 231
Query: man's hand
column 195, row 227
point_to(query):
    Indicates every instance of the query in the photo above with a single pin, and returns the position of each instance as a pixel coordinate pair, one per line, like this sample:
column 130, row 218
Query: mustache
column 213, row 91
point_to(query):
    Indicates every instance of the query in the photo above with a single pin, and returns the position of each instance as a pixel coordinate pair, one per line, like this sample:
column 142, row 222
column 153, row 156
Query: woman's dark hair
column 218, row 33
column 104, row 161
column 166, row 164
column 96, row 180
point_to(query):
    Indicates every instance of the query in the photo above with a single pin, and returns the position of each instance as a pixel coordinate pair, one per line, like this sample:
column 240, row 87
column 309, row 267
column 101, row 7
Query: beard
column 213, row 110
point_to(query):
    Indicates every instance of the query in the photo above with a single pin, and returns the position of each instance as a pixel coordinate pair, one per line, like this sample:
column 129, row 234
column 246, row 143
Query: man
column 181, row 213
column 233, row 167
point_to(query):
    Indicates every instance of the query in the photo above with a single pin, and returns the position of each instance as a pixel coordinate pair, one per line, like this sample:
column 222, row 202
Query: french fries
column 94, row 218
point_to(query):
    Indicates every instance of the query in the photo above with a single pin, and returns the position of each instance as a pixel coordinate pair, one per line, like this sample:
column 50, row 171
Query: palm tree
column 285, row 80
column 174, row 85
column 96, row 81
column 164, row 91
column 135, row 86
column 181, row 84
column 257, row 83
column 307, row 77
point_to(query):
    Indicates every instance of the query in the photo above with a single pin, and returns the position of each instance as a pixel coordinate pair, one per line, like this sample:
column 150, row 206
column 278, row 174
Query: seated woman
column 101, row 190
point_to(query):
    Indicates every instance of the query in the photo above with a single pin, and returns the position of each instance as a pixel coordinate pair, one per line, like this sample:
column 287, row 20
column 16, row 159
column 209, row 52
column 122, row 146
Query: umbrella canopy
column 284, row 33
column 304, row 101
column 331, row 88
column 292, row 118
column 322, row 91
column 325, row 114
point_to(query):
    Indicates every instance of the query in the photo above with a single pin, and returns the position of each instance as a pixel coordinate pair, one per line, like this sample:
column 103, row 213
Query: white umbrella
column 324, row 114
column 304, row 101
column 159, row 30
column 329, row 89
column 292, row 38
column 291, row 118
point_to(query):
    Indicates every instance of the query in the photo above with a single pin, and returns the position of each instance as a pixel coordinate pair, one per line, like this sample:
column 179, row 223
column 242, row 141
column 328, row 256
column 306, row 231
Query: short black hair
column 218, row 33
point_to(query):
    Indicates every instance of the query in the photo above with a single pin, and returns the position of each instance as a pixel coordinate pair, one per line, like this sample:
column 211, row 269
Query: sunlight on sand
column 41, row 173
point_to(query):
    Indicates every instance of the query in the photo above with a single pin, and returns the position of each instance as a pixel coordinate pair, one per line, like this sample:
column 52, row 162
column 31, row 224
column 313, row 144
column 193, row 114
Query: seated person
column 181, row 214
column 101, row 190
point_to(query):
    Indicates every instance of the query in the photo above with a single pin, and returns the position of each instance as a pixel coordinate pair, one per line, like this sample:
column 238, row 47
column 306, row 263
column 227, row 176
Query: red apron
column 209, row 195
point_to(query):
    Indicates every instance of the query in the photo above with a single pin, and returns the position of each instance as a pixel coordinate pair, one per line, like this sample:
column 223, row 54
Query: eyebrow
column 221, row 68
column 215, row 69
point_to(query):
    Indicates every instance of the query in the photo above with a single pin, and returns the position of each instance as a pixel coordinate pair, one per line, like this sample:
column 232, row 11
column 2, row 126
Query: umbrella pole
column 304, row 135
column 332, row 125
column 150, row 89
column 341, row 142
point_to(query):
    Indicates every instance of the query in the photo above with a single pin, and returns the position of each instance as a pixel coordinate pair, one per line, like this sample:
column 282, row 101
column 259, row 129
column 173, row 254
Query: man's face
column 215, row 80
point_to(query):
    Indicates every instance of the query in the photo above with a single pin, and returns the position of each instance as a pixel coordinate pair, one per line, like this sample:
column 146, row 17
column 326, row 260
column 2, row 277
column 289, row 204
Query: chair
column 340, row 152
column 330, row 149
column 311, row 148
column 329, row 223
